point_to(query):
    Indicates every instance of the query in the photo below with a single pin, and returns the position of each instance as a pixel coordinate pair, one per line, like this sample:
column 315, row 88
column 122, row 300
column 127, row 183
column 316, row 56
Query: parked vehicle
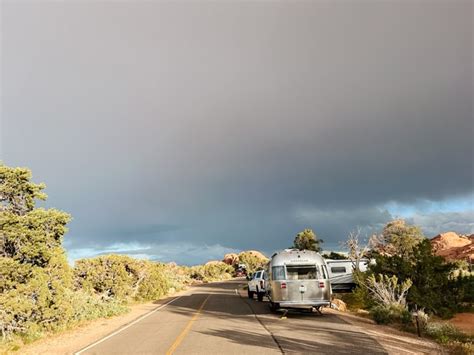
column 240, row 272
column 340, row 274
column 256, row 285
column 297, row 279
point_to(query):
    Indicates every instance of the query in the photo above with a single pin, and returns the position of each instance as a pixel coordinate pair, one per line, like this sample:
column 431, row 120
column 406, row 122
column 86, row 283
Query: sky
column 185, row 130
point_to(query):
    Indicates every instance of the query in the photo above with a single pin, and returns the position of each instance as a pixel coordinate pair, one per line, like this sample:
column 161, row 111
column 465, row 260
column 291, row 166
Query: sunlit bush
column 212, row 271
column 122, row 278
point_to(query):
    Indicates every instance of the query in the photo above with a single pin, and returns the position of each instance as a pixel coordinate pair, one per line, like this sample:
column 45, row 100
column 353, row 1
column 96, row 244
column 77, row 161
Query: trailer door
column 303, row 282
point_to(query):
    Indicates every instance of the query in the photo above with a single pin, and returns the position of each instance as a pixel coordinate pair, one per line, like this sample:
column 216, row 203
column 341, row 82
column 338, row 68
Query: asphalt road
column 218, row 319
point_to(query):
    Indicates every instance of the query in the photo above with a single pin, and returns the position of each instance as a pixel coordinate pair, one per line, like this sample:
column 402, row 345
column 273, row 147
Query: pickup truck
column 256, row 285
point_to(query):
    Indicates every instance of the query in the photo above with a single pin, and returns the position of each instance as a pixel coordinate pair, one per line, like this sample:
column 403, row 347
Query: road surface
column 217, row 319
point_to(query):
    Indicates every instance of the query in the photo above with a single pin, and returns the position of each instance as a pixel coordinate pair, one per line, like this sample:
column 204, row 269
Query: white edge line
column 127, row 326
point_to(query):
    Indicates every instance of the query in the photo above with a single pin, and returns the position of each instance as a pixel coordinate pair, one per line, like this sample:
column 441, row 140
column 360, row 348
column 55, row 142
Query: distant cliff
column 452, row 246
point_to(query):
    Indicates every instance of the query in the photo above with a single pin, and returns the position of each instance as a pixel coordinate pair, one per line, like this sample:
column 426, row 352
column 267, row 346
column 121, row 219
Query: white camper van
column 340, row 273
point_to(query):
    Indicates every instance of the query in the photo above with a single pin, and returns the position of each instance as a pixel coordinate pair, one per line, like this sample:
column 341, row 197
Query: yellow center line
column 185, row 331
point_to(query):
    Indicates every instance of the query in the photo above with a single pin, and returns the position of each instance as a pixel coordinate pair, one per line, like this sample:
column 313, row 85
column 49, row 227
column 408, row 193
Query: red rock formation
column 256, row 253
column 453, row 246
column 231, row 259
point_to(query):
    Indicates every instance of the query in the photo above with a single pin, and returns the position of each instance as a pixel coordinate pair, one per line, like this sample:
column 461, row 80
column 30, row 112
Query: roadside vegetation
column 408, row 284
column 41, row 293
column 307, row 240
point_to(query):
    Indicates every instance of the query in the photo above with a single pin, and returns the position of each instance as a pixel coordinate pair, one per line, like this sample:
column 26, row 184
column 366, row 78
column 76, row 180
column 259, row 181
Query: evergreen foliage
column 307, row 240
column 434, row 286
column 40, row 292
column 252, row 262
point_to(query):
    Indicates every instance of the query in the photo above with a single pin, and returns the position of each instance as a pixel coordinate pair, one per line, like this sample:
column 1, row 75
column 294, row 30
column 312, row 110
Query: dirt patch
column 464, row 322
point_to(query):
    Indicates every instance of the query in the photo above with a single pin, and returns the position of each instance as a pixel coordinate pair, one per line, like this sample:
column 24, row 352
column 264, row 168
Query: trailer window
column 338, row 269
column 278, row 273
column 302, row 272
column 325, row 271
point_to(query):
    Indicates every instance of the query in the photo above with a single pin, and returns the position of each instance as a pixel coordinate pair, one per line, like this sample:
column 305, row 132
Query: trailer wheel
column 274, row 306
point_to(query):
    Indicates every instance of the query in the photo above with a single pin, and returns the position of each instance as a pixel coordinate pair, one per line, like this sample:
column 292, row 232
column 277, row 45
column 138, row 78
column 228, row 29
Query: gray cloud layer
column 237, row 123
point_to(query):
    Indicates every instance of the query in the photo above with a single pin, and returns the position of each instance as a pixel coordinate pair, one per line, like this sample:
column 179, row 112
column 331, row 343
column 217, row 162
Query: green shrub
column 87, row 306
column 178, row 276
column 444, row 332
column 406, row 317
column 381, row 315
column 447, row 334
column 122, row 278
column 423, row 318
column 253, row 261
column 212, row 271
column 433, row 287
column 34, row 298
column 357, row 299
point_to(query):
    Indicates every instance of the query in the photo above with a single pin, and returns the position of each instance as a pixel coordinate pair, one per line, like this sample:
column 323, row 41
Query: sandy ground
column 464, row 322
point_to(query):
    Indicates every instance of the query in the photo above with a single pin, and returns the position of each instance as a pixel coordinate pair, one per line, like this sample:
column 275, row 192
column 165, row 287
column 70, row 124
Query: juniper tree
column 307, row 240
column 398, row 238
column 34, row 273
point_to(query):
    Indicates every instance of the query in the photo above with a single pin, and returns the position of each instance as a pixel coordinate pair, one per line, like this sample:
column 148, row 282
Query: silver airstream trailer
column 297, row 279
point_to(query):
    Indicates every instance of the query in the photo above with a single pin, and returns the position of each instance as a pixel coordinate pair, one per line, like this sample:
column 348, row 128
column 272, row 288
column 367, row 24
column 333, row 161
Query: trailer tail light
column 283, row 285
column 321, row 284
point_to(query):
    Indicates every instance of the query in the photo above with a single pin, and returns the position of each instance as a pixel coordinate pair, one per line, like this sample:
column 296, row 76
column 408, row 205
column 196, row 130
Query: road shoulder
column 70, row 341
column 392, row 340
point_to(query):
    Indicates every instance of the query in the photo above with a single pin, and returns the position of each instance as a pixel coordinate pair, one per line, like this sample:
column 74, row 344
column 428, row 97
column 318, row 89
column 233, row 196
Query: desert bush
column 423, row 318
column 357, row 299
column 252, row 261
column 218, row 271
column 381, row 314
column 388, row 314
column 212, row 271
column 87, row 306
column 152, row 282
column 122, row 278
column 447, row 334
column 406, row 317
column 387, row 291
column 178, row 276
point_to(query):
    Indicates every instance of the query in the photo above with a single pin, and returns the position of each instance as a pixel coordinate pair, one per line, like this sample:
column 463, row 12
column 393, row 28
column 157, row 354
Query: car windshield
column 301, row 272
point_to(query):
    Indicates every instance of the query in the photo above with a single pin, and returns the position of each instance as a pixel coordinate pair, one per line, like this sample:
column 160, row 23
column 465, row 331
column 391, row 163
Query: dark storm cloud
column 437, row 222
column 223, row 119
